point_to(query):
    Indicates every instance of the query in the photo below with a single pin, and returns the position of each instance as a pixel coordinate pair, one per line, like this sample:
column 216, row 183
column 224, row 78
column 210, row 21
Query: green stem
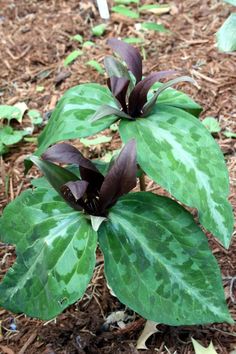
column 142, row 182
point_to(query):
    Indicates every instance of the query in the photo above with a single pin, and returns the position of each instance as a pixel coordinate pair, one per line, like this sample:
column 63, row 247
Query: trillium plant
column 156, row 257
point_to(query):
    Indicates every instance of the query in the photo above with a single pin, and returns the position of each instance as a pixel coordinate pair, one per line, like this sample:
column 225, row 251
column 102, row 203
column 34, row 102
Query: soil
column 35, row 39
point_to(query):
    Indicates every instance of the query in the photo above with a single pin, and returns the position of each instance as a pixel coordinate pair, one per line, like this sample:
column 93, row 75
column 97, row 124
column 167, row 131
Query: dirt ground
column 35, row 39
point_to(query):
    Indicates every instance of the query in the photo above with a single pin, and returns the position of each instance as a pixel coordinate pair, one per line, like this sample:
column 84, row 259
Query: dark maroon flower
column 131, row 94
column 94, row 193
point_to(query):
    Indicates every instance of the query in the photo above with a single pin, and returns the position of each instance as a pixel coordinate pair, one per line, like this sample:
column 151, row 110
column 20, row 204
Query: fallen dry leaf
column 199, row 349
column 115, row 317
column 22, row 106
column 149, row 329
column 6, row 350
column 158, row 10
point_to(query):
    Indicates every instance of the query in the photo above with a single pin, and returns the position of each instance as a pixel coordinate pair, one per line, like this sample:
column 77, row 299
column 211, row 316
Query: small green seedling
column 211, row 124
column 95, row 65
column 125, row 11
column 99, row 30
column 72, row 56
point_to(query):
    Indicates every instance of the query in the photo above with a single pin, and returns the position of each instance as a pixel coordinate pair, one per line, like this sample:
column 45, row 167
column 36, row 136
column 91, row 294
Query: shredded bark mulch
column 35, row 39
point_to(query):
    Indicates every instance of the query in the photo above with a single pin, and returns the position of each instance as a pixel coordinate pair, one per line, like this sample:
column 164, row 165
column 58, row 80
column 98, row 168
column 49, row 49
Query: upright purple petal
column 77, row 188
column 138, row 96
column 129, row 54
column 114, row 67
column 72, row 192
column 121, row 178
column 68, row 154
column 118, row 87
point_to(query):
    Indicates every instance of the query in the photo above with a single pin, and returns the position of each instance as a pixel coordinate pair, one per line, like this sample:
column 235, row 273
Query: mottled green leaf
column 71, row 118
column 158, row 262
column 185, row 160
column 55, row 248
column 175, row 98
column 106, row 110
column 96, row 141
column 226, row 39
column 150, row 104
column 232, row 2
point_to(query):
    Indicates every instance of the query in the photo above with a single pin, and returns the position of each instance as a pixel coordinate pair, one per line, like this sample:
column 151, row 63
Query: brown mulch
column 35, row 39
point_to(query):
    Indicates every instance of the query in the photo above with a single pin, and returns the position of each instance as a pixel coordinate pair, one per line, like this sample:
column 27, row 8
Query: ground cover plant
column 157, row 260
column 9, row 135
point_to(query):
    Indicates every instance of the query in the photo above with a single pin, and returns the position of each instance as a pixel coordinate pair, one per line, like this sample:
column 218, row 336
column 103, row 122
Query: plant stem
column 142, row 182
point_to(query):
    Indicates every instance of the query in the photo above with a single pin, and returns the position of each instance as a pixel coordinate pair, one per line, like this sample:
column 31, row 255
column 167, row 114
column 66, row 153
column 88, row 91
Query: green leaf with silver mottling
column 102, row 139
column 232, row 2
column 185, row 160
column 226, row 39
column 175, row 98
column 158, row 262
column 71, row 118
column 55, row 248
column 150, row 104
